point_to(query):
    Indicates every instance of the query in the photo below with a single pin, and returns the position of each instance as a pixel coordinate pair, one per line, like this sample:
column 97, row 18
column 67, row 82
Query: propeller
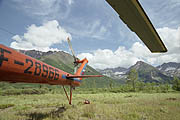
column 73, row 54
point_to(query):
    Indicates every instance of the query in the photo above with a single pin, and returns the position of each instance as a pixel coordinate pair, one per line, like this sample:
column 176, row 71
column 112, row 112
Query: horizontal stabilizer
column 83, row 76
column 133, row 15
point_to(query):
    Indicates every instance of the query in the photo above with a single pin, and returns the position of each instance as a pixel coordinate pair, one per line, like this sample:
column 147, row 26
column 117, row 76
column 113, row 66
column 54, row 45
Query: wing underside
column 133, row 15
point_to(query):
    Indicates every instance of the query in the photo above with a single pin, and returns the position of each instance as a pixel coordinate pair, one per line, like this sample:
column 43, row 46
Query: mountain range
column 170, row 69
column 146, row 73
column 64, row 61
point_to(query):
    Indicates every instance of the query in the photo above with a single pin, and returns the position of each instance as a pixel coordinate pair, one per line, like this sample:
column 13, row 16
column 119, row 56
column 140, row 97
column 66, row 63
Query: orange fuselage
column 17, row 67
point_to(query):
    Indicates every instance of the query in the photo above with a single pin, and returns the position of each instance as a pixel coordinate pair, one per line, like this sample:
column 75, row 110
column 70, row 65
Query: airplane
column 17, row 67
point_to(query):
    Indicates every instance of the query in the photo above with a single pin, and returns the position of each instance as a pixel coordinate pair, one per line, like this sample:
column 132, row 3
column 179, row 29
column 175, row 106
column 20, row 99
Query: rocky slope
column 146, row 72
column 116, row 73
column 170, row 69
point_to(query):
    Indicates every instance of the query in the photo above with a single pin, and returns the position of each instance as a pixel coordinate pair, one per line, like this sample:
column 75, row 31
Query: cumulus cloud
column 106, row 58
column 171, row 38
column 126, row 57
column 41, row 37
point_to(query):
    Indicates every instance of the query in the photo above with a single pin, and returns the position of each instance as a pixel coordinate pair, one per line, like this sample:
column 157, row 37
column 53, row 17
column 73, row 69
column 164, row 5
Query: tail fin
column 80, row 72
column 82, row 68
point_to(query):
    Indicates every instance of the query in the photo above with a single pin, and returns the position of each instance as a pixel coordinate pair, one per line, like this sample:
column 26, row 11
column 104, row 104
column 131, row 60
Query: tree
column 111, row 83
column 176, row 83
column 132, row 78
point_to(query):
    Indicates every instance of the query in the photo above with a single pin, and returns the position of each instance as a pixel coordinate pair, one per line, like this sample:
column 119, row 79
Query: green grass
column 4, row 106
column 123, row 106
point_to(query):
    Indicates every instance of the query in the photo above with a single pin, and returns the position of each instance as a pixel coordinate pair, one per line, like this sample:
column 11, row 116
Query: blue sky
column 94, row 27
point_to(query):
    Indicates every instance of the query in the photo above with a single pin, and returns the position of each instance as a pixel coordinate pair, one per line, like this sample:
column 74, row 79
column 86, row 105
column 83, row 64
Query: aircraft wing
column 132, row 14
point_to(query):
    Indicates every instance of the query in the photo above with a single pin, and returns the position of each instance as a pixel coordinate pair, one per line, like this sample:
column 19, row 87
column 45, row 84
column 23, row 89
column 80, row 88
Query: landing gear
column 71, row 88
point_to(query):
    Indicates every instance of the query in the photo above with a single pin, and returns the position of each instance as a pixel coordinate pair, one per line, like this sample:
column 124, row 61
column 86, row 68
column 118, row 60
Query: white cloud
column 70, row 2
column 126, row 57
column 41, row 37
column 93, row 29
column 163, row 12
column 171, row 38
column 45, row 9
column 81, row 24
column 108, row 59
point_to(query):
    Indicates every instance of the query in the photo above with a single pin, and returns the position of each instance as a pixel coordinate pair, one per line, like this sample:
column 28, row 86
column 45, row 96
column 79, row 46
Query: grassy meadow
column 103, row 106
